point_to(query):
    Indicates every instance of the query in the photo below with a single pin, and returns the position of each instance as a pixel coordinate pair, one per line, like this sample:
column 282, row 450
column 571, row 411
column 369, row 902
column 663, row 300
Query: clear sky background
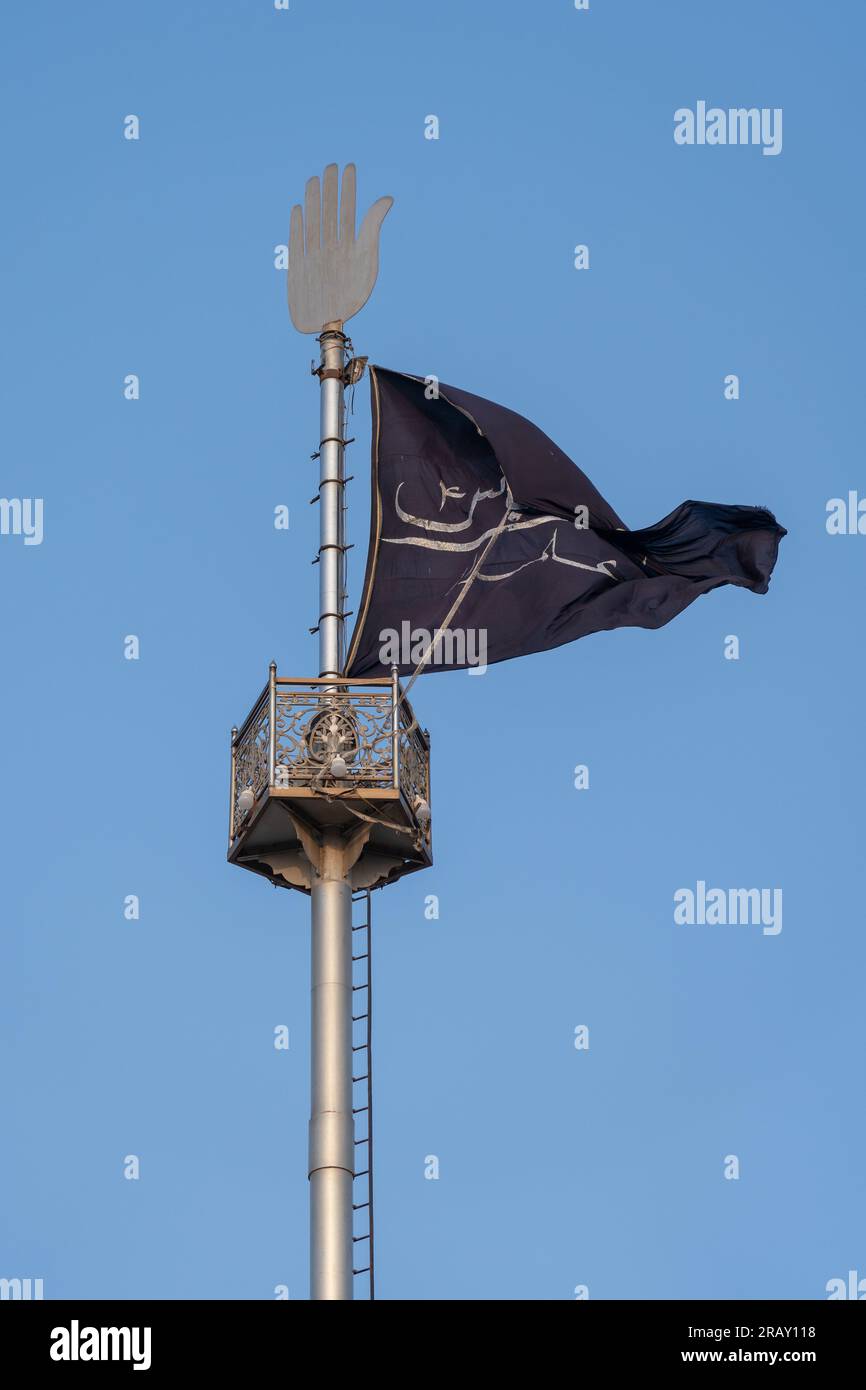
column 558, row 1167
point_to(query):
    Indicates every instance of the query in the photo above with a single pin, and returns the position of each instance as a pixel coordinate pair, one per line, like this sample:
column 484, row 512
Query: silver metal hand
column 331, row 270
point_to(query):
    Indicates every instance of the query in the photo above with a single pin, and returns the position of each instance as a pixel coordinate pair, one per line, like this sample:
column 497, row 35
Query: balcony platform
column 330, row 761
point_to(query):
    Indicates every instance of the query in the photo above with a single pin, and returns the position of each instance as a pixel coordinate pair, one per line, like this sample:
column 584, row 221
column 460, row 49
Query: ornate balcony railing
column 329, row 739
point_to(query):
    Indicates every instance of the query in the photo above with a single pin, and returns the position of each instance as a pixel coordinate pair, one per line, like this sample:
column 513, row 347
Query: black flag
column 474, row 506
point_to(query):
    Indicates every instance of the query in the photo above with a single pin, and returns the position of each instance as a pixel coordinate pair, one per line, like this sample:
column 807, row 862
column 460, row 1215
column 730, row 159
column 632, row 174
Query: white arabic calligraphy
column 446, row 525
column 548, row 553
column 448, row 492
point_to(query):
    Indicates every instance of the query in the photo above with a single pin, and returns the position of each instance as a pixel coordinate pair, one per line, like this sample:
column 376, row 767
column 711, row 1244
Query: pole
column 332, row 1131
column 331, row 484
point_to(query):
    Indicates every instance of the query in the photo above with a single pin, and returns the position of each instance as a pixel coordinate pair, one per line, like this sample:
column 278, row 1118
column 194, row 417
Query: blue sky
column 558, row 1167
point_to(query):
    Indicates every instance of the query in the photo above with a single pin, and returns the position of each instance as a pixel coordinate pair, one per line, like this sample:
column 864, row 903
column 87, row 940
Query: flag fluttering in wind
column 484, row 532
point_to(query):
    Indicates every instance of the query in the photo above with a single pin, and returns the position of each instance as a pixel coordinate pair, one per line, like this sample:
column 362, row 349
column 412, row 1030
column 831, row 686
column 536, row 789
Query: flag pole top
column 332, row 268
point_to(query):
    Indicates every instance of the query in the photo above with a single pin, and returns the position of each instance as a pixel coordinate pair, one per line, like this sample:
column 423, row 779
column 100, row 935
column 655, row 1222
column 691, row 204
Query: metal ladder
column 362, row 1088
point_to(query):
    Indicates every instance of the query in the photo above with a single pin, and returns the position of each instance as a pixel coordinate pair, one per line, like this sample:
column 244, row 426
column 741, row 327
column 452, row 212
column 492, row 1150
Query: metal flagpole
column 332, row 1131
column 332, row 271
column 331, row 483
column 309, row 753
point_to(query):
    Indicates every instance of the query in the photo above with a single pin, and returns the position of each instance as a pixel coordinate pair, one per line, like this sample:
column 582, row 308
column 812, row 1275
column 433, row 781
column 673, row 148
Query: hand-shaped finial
column 331, row 271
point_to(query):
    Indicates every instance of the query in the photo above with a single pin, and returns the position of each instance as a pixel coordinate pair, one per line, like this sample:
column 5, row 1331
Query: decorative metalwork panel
column 251, row 763
column 313, row 728
column 333, row 740
column 414, row 759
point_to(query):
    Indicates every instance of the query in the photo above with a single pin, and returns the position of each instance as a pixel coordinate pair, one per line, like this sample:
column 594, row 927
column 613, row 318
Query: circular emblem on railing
column 329, row 734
